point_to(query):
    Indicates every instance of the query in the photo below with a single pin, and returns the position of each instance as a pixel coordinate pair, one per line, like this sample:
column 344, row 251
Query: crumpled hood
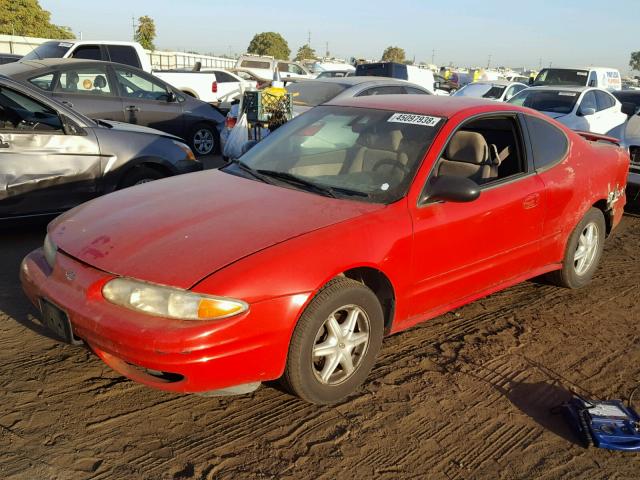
column 178, row 230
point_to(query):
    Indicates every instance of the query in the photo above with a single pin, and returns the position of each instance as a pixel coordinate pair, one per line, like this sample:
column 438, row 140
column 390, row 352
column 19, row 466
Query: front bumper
column 173, row 355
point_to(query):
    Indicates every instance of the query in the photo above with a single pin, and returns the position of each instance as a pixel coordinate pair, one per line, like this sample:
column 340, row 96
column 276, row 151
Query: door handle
column 132, row 108
column 68, row 104
column 3, row 144
column 531, row 201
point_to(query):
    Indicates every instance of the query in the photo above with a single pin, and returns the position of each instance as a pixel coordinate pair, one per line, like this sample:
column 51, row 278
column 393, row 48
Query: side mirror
column 531, row 80
column 586, row 111
column 171, row 97
column 451, row 188
column 592, row 83
column 436, row 85
column 628, row 108
column 69, row 127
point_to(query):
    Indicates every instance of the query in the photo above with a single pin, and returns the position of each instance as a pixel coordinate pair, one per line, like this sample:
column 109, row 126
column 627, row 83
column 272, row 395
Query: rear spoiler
column 596, row 137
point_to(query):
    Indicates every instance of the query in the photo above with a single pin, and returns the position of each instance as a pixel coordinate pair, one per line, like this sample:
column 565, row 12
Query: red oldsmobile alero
column 353, row 221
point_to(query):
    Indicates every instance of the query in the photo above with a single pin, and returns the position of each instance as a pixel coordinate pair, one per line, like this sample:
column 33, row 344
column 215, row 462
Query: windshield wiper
column 246, row 168
column 300, row 181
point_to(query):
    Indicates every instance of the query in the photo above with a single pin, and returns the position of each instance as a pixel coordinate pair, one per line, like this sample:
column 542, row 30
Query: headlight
column 50, row 250
column 170, row 302
column 185, row 148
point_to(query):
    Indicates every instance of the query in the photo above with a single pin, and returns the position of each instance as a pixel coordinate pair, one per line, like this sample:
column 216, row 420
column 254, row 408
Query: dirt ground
column 466, row 395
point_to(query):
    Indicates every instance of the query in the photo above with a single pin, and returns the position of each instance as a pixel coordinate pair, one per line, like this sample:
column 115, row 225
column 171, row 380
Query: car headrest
column 100, row 81
column 72, row 78
column 468, row 147
column 388, row 140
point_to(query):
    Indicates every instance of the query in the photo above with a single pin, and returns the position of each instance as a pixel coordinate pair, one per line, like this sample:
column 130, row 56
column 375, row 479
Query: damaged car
column 52, row 158
column 356, row 220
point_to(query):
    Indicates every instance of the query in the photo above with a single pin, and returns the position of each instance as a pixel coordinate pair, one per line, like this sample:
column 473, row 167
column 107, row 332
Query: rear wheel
column 583, row 252
column 335, row 343
column 204, row 139
column 140, row 175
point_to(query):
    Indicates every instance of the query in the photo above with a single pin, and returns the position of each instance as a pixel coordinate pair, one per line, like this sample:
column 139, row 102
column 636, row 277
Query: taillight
column 214, row 87
column 230, row 122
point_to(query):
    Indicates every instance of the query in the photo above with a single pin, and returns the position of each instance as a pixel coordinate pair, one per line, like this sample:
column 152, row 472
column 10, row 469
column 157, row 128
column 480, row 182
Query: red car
column 356, row 220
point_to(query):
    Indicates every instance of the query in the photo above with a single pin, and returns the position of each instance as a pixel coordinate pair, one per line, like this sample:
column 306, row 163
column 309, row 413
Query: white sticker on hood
column 567, row 94
column 424, row 120
column 65, row 44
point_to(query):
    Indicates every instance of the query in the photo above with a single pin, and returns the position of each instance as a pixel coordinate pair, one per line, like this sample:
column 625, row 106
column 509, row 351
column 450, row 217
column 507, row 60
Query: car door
column 465, row 249
column 89, row 89
column 149, row 101
column 609, row 111
column 42, row 168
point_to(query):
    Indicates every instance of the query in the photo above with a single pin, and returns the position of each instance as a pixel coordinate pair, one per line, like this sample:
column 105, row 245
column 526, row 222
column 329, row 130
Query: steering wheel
column 394, row 163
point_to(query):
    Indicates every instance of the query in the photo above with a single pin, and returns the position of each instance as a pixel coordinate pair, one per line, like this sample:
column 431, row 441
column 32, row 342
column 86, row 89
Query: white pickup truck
column 216, row 86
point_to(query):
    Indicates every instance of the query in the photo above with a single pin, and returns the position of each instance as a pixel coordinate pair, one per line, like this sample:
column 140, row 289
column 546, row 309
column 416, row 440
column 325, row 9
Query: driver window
column 486, row 150
column 135, row 85
column 86, row 80
column 20, row 112
column 589, row 101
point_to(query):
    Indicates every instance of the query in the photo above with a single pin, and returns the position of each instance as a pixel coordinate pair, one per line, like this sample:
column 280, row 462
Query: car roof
column 437, row 105
column 566, row 88
column 24, row 66
column 500, row 81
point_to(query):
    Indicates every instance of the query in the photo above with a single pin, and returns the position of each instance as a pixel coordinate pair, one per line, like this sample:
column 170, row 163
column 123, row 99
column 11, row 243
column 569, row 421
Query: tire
column 140, row 175
column 313, row 378
column 204, row 139
column 578, row 272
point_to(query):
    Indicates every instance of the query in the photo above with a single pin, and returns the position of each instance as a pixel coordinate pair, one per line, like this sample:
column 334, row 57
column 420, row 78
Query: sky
column 463, row 32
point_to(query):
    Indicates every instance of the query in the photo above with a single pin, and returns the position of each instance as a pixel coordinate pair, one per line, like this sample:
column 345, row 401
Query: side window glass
column 44, row 82
column 604, row 100
column 135, row 85
column 486, row 150
column 20, row 112
column 124, row 54
column 389, row 90
column 86, row 80
column 415, row 91
column 589, row 101
column 88, row 52
column 223, row 77
column 549, row 144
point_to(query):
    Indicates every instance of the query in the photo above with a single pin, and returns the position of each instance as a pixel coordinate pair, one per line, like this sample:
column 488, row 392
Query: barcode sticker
column 424, row 120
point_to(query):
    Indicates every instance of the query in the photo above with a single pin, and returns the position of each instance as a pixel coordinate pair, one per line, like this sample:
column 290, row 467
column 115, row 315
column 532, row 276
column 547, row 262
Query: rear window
column 255, row 64
column 550, row 145
column 561, row 76
column 481, row 90
column 124, row 54
column 49, row 50
column 555, row 101
column 393, row 70
column 310, row 94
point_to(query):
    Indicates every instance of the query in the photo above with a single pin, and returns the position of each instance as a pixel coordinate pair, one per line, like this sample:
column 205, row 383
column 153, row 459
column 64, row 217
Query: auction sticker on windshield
column 423, row 120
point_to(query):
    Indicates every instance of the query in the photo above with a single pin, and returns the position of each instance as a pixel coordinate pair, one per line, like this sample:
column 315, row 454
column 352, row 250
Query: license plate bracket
column 57, row 322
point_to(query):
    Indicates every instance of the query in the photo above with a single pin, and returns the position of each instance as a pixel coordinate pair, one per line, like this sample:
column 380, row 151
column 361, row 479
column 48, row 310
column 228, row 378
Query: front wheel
column 583, row 252
column 204, row 139
column 140, row 175
column 335, row 343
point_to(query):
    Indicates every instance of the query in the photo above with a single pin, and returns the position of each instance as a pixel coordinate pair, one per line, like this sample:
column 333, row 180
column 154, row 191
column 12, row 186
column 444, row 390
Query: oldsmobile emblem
column 70, row 275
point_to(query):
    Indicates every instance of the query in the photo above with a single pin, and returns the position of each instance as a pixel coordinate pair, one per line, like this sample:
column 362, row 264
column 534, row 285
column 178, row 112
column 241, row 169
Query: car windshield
column 481, row 90
column 557, row 101
column 359, row 153
column 310, row 94
column 561, row 76
column 48, row 50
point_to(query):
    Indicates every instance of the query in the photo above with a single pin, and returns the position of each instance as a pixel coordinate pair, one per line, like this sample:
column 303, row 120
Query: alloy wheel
column 203, row 141
column 587, row 249
column 340, row 345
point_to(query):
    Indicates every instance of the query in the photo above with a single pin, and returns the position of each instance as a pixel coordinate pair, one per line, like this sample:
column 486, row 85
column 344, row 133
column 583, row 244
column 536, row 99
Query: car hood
column 178, row 230
column 130, row 127
column 629, row 132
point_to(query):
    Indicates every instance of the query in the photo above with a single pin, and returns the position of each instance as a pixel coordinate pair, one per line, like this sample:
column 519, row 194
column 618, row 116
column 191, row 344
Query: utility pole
column 133, row 26
column 309, row 38
column 489, row 62
column 433, row 56
column 540, row 64
column 327, row 51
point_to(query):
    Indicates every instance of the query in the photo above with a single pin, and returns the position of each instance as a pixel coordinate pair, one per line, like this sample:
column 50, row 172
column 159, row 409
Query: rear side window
column 223, row 77
column 85, row 80
column 88, row 52
column 415, row 91
column 549, row 144
column 124, row 54
column 384, row 90
column 604, row 100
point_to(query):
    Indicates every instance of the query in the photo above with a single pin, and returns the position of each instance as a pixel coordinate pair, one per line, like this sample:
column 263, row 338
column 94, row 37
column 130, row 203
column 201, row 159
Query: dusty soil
column 466, row 395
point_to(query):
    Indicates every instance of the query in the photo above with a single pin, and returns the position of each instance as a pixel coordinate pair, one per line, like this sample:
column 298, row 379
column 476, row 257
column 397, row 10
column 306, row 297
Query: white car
column 499, row 90
column 579, row 108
